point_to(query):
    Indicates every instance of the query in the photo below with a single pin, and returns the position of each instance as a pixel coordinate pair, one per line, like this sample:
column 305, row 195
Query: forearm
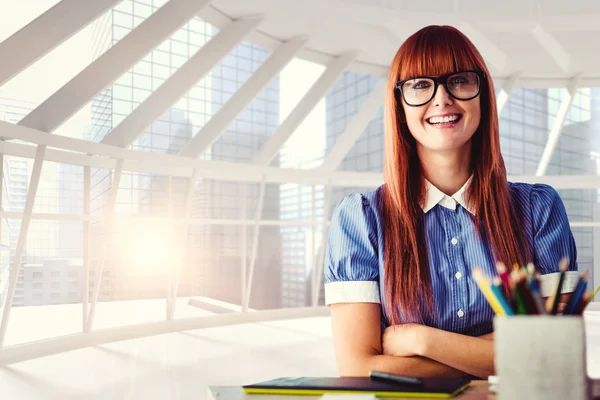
column 474, row 355
column 413, row 366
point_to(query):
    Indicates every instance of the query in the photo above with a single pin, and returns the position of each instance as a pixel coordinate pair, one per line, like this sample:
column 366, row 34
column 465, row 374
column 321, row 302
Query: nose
column 442, row 97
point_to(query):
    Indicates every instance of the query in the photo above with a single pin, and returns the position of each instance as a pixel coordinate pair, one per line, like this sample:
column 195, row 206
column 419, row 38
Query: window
column 122, row 19
column 38, row 275
column 119, row 33
column 73, row 285
column 125, row 80
column 55, row 285
column 143, row 68
column 177, row 61
column 197, row 39
column 122, row 92
column 125, row 6
column 142, row 82
column 142, row 10
column 140, row 95
column 37, row 297
column 161, row 71
column 72, row 295
column 157, row 82
column 55, row 274
column 73, row 274
column 38, row 285
column 55, row 296
column 181, row 35
column 179, row 48
column 122, row 107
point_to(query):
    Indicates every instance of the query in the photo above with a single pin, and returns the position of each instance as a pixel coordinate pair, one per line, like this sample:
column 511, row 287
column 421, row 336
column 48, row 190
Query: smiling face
column 445, row 124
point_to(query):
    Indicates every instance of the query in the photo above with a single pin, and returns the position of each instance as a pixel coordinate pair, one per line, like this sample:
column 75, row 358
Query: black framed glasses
column 463, row 85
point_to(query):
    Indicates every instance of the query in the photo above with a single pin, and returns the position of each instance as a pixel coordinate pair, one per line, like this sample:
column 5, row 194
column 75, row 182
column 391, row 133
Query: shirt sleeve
column 351, row 259
column 552, row 240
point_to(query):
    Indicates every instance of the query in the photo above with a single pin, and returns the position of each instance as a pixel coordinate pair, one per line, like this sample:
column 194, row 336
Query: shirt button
column 454, row 241
column 458, row 275
column 460, row 313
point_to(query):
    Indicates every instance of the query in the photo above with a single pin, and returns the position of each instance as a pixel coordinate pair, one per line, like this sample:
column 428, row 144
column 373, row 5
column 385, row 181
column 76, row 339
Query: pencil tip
column 530, row 268
column 501, row 267
column 585, row 273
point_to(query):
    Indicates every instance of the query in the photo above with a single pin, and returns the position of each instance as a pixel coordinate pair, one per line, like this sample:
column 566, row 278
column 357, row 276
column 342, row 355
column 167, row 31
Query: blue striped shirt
column 354, row 254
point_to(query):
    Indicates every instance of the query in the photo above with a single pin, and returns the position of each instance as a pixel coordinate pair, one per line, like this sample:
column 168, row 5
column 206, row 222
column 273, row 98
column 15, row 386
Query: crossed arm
column 410, row 349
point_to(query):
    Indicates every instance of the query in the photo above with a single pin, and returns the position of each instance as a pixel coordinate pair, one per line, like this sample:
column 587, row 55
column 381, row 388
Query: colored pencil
column 505, row 277
column 530, row 272
column 554, row 299
column 595, row 291
column 522, row 305
column 526, row 293
column 518, row 291
column 485, row 287
column 497, row 289
column 583, row 303
column 577, row 294
column 534, row 287
column 587, row 298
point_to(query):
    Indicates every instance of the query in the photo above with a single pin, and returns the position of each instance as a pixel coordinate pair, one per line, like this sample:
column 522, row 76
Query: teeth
column 443, row 120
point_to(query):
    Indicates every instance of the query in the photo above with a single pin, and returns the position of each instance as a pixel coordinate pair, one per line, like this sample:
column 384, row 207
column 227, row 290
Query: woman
column 399, row 259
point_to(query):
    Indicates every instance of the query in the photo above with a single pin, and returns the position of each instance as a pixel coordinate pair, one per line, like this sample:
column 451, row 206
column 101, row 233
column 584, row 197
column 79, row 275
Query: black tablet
column 431, row 387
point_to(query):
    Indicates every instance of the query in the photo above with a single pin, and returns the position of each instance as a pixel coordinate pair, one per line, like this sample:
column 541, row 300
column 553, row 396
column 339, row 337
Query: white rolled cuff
column 352, row 292
column 549, row 282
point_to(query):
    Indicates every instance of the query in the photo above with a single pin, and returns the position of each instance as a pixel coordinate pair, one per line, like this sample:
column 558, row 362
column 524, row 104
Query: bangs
column 438, row 50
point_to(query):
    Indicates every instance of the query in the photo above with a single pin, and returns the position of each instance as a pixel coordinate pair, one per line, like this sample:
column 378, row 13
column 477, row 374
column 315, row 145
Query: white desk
column 477, row 391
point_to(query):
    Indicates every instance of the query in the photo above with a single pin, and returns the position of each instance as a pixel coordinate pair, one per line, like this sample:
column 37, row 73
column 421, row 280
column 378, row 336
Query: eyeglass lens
column 462, row 85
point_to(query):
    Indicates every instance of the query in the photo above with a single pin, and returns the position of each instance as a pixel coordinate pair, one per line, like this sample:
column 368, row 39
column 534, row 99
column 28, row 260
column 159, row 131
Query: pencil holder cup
column 541, row 357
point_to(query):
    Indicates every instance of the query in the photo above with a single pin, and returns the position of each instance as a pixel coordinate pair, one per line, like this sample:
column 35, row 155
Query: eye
column 420, row 85
column 457, row 80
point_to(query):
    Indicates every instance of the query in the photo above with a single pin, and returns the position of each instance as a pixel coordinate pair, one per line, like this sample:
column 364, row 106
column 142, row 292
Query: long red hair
column 437, row 50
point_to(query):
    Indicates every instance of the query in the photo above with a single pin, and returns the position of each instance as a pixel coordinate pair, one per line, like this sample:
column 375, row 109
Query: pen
column 406, row 380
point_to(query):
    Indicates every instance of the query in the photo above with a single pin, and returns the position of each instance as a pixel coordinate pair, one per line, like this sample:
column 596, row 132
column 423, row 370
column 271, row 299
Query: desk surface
column 477, row 391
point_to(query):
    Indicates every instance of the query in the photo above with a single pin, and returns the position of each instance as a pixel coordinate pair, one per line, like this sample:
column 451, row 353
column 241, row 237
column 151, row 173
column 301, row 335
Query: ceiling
column 545, row 42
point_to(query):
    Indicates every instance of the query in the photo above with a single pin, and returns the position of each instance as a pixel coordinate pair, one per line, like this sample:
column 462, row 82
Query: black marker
column 393, row 378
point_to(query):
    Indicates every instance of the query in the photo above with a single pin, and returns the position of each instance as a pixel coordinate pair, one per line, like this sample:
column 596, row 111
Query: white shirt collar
column 434, row 196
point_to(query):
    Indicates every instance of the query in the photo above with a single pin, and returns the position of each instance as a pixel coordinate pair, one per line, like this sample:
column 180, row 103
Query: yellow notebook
column 431, row 387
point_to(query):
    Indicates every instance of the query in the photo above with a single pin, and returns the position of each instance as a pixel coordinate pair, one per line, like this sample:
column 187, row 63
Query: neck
column 447, row 171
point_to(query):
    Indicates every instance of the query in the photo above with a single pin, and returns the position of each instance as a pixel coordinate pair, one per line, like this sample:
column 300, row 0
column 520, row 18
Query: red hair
column 437, row 50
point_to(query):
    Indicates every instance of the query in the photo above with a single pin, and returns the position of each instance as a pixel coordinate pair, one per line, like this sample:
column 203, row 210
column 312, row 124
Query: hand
column 405, row 340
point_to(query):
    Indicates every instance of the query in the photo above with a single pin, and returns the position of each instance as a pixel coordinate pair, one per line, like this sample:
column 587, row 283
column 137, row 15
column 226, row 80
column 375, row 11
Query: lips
column 444, row 119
